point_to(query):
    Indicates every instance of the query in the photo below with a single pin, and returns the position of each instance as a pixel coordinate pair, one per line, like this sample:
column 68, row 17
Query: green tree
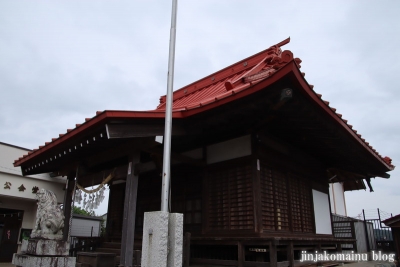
column 79, row 210
column 102, row 229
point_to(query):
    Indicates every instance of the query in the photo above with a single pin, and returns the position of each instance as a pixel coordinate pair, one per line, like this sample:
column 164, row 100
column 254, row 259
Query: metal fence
column 350, row 228
column 382, row 233
column 83, row 244
column 367, row 229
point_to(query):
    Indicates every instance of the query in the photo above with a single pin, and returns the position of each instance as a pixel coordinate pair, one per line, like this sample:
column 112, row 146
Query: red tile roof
column 216, row 89
column 232, row 79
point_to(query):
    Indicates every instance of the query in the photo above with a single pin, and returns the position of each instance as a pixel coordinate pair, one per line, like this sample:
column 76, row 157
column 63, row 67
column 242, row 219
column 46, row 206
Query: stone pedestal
column 25, row 260
column 162, row 239
column 175, row 239
column 155, row 239
column 43, row 247
column 44, row 253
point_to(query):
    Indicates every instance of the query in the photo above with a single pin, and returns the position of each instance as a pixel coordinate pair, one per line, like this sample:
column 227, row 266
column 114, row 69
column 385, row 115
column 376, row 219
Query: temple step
column 115, row 247
column 111, row 245
column 78, row 264
column 109, row 250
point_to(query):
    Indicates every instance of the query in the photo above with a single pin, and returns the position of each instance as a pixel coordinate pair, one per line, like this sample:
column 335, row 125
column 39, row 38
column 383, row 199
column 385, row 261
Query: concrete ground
column 370, row 264
column 359, row 264
column 354, row 264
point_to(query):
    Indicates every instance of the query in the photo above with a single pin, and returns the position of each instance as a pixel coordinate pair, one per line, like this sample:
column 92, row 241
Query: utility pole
column 163, row 231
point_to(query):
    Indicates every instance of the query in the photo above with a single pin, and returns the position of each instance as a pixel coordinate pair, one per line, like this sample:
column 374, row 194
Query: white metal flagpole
column 166, row 175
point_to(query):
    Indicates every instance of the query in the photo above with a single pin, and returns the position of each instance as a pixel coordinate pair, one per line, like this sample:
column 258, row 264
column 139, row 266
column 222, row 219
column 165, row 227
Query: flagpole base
column 162, row 239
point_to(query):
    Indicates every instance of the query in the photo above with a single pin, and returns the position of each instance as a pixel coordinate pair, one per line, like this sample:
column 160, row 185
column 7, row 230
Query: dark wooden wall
column 286, row 201
column 267, row 194
column 286, row 183
column 229, row 197
column 115, row 212
column 186, row 196
column 148, row 197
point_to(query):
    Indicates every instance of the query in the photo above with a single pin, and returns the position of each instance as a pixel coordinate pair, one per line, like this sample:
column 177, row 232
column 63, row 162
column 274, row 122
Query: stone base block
column 43, row 247
column 24, row 260
column 162, row 230
column 175, row 239
column 155, row 239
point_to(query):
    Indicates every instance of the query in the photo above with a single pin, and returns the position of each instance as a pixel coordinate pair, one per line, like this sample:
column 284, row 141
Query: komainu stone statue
column 49, row 217
column 46, row 247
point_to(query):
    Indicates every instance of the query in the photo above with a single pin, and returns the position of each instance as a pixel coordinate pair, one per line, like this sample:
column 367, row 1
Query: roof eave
column 245, row 90
column 337, row 119
column 101, row 117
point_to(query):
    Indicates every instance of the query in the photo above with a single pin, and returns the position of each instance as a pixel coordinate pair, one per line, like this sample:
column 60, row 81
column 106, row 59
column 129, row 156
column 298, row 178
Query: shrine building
column 254, row 149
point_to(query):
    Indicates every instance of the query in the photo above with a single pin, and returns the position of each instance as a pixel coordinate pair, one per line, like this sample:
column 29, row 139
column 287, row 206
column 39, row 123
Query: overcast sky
column 61, row 61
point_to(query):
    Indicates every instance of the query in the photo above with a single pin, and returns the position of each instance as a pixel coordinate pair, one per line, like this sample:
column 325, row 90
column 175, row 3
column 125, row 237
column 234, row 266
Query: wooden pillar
column 128, row 224
column 137, row 257
column 396, row 240
column 290, row 254
column 257, row 197
column 318, row 247
column 273, row 257
column 69, row 191
column 186, row 249
column 339, row 248
column 258, row 223
column 240, row 254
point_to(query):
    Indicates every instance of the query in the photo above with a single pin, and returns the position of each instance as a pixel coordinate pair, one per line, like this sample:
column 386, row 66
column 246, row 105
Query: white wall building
column 338, row 201
column 17, row 199
column 83, row 225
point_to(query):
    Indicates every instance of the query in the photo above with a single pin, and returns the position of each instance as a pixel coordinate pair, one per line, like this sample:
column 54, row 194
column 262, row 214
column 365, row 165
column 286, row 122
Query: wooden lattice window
column 300, row 204
column 218, row 183
column 295, row 203
column 193, row 211
column 281, row 201
column 285, row 196
column 230, row 199
column 241, row 198
column 267, row 200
